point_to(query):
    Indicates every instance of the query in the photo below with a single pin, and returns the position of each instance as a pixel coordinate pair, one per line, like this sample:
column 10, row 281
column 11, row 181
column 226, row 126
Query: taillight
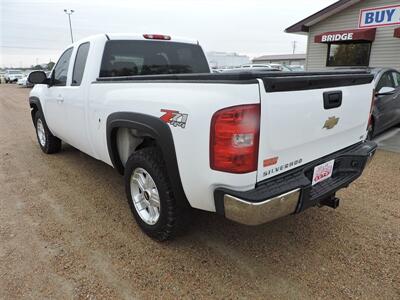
column 234, row 139
column 156, row 37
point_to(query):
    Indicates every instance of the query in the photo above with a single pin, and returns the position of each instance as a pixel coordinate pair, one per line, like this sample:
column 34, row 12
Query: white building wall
column 226, row 60
column 385, row 51
column 298, row 62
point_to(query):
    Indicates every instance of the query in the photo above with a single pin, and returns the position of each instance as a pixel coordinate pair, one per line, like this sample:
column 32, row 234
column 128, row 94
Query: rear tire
column 47, row 141
column 146, row 179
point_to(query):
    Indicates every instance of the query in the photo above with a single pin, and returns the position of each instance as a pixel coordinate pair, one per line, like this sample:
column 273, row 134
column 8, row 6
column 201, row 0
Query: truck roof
column 136, row 36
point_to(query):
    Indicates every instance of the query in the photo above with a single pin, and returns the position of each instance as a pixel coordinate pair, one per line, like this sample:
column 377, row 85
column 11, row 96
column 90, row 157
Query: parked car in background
column 12, row 76
column 280, row 67
column 295, row 68
column 2, row 79
column 24, row 80
column 258, row 66
column 386, row 108
column 251, row 70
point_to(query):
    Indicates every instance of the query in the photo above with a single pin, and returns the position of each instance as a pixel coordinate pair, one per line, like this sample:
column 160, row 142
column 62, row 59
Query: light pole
column 69, row 12
column 294, row 46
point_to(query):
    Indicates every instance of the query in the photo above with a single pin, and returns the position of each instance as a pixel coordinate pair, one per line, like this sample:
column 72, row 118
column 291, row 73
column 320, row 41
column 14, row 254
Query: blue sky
column 37, row 30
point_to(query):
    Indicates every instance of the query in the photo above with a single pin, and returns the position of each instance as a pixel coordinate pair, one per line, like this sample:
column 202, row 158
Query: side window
column 80, row 62
column 385, row 81
column 396, row 78
column 348, row 54
column 61, row 69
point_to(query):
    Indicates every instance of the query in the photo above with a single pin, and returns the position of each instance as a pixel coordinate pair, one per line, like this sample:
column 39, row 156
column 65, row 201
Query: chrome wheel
column 145, row 196
column 40, row 132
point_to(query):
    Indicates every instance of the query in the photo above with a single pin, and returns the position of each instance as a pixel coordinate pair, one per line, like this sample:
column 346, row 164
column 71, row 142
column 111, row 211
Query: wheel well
column 143, row 131
column 128, row 140
column 34, row 109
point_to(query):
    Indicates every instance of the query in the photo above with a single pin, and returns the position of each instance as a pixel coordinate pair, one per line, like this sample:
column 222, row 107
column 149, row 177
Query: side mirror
column 386, row 91
column 38, row 77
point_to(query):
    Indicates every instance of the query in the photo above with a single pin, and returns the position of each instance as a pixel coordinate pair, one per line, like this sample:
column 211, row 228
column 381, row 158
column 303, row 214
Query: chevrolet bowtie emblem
column 331, row 122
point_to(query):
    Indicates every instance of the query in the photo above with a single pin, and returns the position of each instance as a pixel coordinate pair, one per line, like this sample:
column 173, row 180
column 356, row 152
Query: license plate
column 323, row 172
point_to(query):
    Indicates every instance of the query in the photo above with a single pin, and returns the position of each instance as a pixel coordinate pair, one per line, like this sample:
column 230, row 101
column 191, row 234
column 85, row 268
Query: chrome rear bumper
column 293, row 192
column 250, row 213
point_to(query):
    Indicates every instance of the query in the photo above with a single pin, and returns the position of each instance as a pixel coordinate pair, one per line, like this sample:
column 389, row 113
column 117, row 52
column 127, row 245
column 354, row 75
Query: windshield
column 130, row 58
column 14, row 72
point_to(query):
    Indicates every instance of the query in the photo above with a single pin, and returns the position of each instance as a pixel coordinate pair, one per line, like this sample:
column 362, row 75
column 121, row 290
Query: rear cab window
column 134, row 58
column 80, row 63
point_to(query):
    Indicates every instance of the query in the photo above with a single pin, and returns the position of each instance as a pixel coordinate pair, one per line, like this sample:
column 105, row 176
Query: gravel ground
column 66, row 232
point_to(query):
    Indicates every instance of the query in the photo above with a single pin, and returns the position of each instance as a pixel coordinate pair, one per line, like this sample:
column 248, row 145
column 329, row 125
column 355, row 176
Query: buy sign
column 380, row 16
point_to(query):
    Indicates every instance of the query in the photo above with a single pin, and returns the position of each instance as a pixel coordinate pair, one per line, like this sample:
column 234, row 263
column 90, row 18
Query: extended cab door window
column 61, row 70
column 80, row 63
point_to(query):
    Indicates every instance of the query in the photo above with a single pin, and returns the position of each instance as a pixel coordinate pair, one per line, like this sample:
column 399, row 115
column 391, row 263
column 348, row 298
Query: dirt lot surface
column 66, row 232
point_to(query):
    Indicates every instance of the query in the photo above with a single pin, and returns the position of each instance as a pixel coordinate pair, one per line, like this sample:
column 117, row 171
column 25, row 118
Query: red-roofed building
column 352, row 33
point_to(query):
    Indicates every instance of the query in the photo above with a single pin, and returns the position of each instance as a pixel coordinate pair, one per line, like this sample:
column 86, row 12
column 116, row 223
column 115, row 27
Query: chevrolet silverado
column 250, row 146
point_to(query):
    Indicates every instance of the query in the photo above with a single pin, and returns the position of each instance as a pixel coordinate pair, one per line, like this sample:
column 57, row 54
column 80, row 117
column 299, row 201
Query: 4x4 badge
column 174, row 117
column 331, row 122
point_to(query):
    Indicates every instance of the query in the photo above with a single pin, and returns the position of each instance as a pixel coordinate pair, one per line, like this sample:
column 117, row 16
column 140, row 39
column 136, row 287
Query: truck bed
column 273, row 81
column 292, row 117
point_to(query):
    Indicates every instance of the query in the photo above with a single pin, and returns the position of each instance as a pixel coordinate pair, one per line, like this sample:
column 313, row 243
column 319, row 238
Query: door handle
column 60, row 99
column 332, row 99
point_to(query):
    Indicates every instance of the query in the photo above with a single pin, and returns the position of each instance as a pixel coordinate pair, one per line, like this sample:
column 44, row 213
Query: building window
column 348, row 54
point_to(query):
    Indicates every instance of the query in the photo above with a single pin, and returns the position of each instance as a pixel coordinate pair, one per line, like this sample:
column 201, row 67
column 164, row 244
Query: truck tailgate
column 303, row 119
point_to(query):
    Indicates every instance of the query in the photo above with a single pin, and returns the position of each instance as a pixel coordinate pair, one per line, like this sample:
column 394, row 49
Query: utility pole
column 69, row 12
column 294, row 43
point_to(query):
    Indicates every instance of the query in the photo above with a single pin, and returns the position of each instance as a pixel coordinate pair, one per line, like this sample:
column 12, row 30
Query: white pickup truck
column 250, row 146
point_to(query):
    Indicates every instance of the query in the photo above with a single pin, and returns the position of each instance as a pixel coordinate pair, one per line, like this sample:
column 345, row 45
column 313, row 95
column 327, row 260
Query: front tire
column 150, row 196
column 47, row 141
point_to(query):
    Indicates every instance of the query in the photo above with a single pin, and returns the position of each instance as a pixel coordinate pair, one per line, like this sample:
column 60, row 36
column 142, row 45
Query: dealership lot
column 66, row 231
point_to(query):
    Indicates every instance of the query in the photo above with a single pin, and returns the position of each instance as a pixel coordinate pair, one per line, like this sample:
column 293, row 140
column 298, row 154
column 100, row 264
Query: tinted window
column 385, row 81
column 348, row 54
column 80, row 62
column 61, row 69
column 396, row 78
column 130, row 58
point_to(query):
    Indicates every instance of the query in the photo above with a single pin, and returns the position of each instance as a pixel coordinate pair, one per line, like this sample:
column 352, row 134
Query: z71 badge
column 174, row 117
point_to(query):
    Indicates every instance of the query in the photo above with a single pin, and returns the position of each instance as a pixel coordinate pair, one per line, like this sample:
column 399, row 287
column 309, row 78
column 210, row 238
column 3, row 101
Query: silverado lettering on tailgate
column 283, row 167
